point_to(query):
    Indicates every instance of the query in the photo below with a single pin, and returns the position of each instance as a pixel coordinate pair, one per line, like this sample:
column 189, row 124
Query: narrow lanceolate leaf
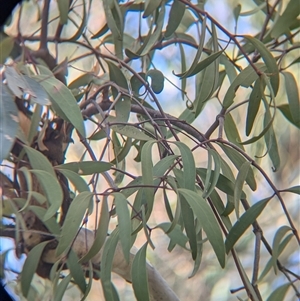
column 38, row 160
column 30, row 266
column 110, row 19
column 52, row 191
column 62, row 287
column 147, row 173
column 106, row 265
column 214, row 177
column 243, row 223
column 270, row 139
column 63, row 7
column 63, row 101
column 276, row 243
column 124, row 223
column 176, row 13
column 245, row 79
column 189, row 169
column 269, row 60
column 73, row 221
column 279, row 293
column 86, row 167
column 231, row 131
column 163, row 165
column 294, row 189
column 292, row 91
column 238, row 160
column 254, row 103
column 9, row 121
column 76, row 271
column 139, row 275
column 207, row 221
column 287, row 18
column 78, row 182
column 198, row 54
column 101, row 233
column 131, row 131
column 238, row 187
column 150, row 7
column 285, row 110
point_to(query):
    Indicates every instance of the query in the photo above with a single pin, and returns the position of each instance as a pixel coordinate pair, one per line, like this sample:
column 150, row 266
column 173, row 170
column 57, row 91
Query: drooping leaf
column 63, row 7
column 279, row 293
column 287, row 18
column 157, row 80
column 101, row 233
column 243, row 223
column 73, row 221
column 86, row 167
column 124, row 223
column 280, row 233
column 9, row 121
column 150, row 7
column 272, row 67
column 292, row 91
column 231, row 131
column 139, row 275
column 30, row 266
column 76, row 271
column 52, row 191
column 62, row 287
column 112, row 23
column 294, row 189
column 78, row 182
column 285, row 110
column 207, row 221
column 175, row 16
column 63, row 101
column 162, row 166
column 131, row 131
column 106, row 265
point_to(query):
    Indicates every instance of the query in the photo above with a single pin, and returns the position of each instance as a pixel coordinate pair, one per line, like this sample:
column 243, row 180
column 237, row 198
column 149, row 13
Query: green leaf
column 285, row 110
column 238, row 160
column 106, row 265
column 112, row 23
column 139, row 275
column 30, row 266
column 52, row 191
column 131, row 131
column 243, row 223
column 38, row 160
column 189, row 165
column 211, row 184
column 207, row 221
column 124, row 223
column 81, row 81
column 279, row 293
column 205, row 63
column 286, row 19
column 272, row 68
column 231, row 131
column 292, row 91
column 157, row 80
column 9, row 121
column 245, row 79
column 280, row 233
column 163, row 165
column 63, row 101
column 85, row 167
column 294, row 189
column 73, row 221
column 238, row 187
column 63, row 7
column 175, row 16
column 254, row 103
column 150, row 7
column 78, row 182
column 6, row 46
column 101, row 233
column 62, row 287
column 176, row 235
column 76, row 271
column 270, row 139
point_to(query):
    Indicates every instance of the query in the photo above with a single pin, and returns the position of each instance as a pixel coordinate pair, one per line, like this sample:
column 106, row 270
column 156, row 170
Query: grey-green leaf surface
column 207, row 221
column 130, row 131
column 139, row 275
column 124, row 223
column 30, row 266
column 243, row 223
column 9, row 121
column 62, row 287
column 73, row 221
column 52, row 191
column 175, row 16
column 78, row 182
column 63, row 101
column 279, row 293
column 86, row 167
column 157, row 80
